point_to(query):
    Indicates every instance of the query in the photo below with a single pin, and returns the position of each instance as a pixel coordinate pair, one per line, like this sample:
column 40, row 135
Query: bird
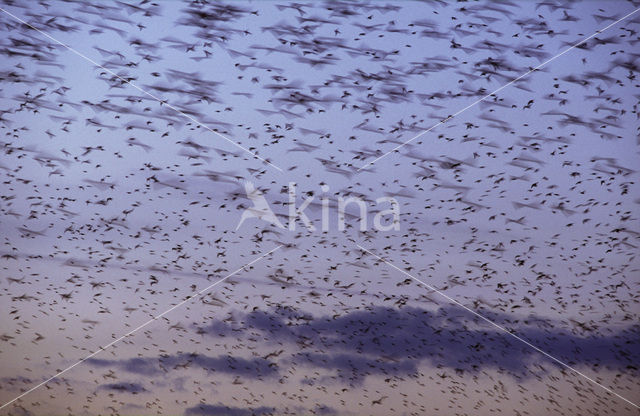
column 319, row 208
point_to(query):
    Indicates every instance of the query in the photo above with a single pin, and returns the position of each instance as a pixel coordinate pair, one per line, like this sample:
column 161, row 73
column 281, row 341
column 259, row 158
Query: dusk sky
column 160, row 159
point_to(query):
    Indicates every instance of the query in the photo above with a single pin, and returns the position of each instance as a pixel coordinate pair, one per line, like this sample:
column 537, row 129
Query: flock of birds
column 129, row 132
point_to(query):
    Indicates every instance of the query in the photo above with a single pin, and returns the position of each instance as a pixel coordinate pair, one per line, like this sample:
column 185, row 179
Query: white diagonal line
column 498, row 326
column 138, row 328
column 163, row 102
column 499, row 89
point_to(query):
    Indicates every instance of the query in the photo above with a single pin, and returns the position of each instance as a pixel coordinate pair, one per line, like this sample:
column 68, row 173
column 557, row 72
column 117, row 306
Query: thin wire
column 137, row 329
column 499, row 89
column 162, row 102
column 499, row 327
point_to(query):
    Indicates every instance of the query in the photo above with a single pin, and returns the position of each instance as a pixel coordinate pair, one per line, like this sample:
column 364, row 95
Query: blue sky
column 116, row 207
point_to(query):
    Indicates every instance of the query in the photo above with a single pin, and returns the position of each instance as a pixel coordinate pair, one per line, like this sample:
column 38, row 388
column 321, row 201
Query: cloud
column 255, row 368
column 390, row 342
column 142, row 366
column 133, row 388
column 395, row 342
column 325, row 410
column 218, row 410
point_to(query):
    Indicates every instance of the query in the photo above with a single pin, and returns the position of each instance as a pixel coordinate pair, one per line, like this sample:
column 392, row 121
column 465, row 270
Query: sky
column 142, row 275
